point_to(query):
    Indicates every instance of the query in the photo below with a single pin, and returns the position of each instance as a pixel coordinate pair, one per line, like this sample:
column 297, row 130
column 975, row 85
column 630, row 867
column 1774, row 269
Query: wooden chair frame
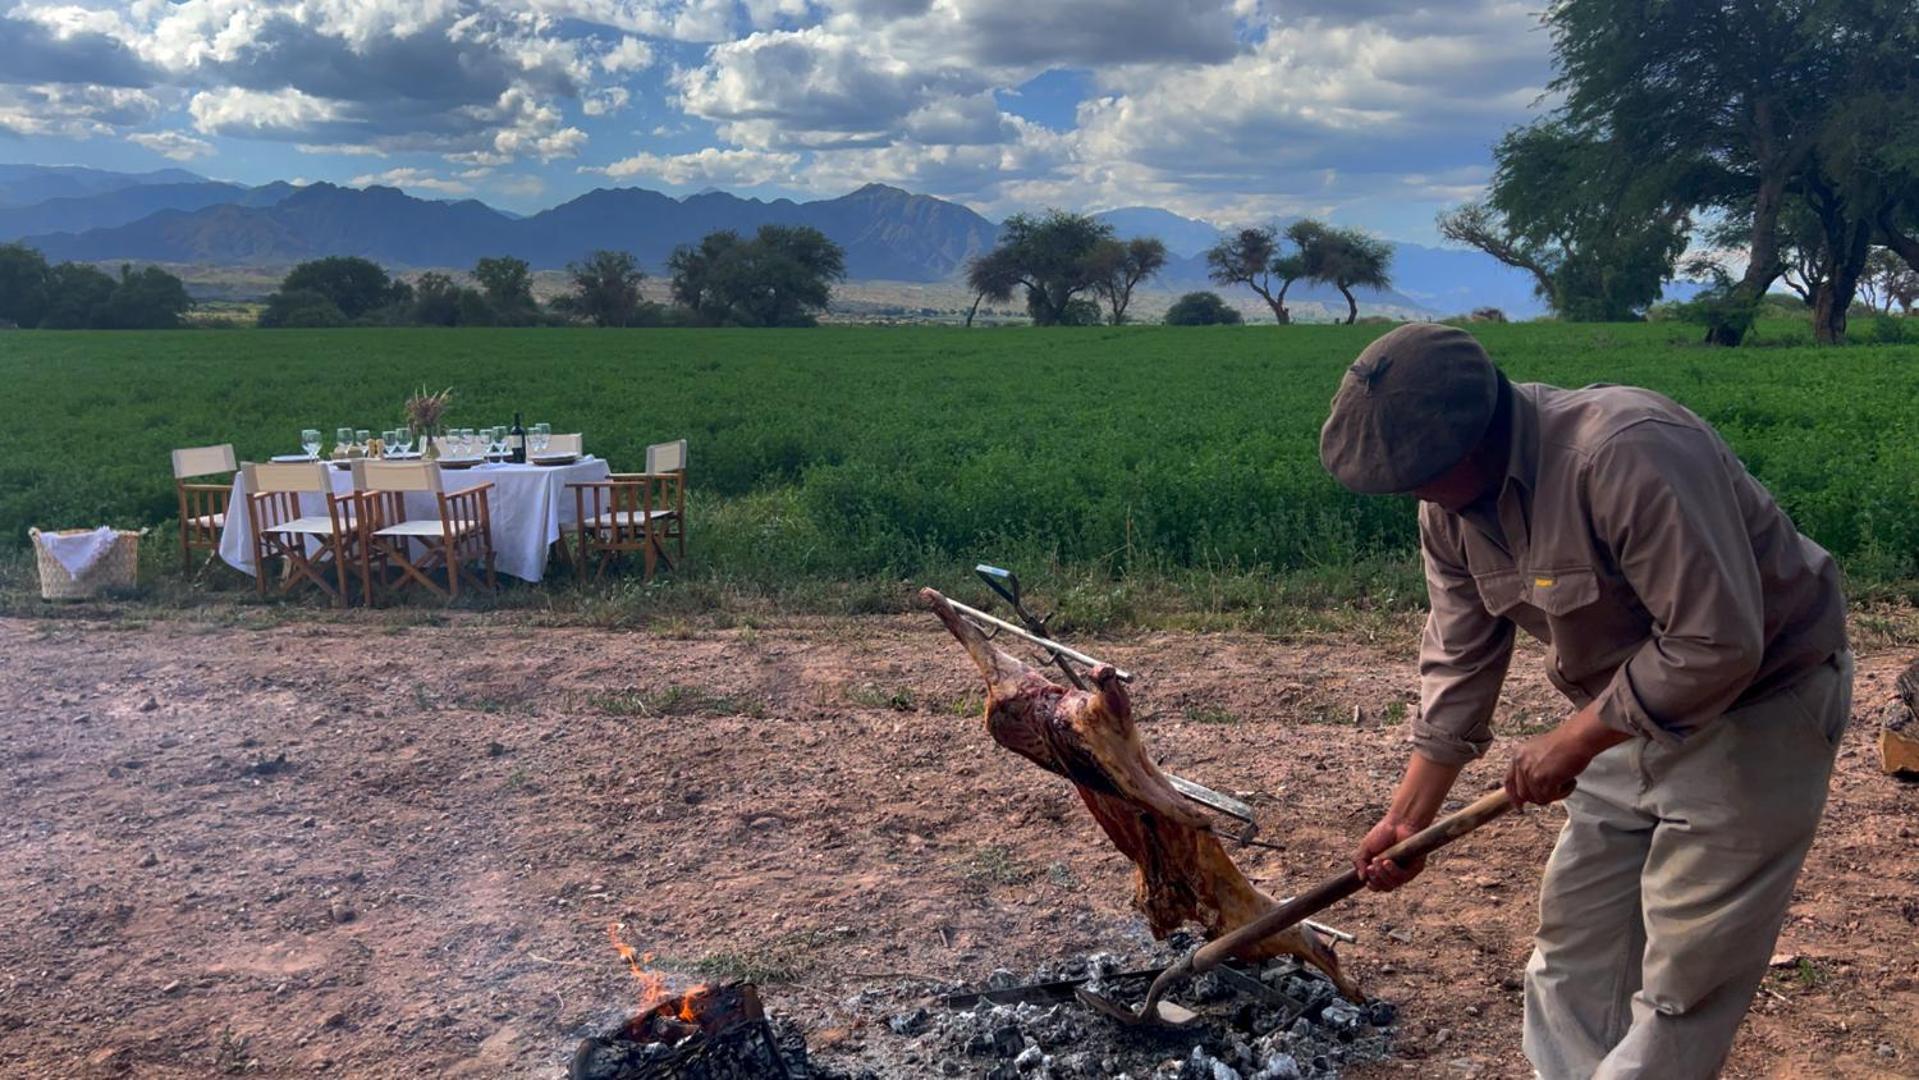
column 278, row 507
column 666, row 463
column 465, row 536
column 616, row 516
column 203, row 507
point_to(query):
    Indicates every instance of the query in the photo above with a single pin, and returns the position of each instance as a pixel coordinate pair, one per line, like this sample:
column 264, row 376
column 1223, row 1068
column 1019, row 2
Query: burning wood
column 1088, row 736
column 705, row 1033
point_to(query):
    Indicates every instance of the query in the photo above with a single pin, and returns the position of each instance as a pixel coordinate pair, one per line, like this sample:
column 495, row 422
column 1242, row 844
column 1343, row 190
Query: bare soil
column 395, row 851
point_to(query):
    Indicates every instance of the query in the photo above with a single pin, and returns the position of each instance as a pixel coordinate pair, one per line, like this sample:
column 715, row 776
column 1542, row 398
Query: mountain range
column 174, row 216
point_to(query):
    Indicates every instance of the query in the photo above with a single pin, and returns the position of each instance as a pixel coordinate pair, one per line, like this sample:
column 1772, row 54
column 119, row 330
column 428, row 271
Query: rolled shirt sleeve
column 1463, row 657
column 1664, row 500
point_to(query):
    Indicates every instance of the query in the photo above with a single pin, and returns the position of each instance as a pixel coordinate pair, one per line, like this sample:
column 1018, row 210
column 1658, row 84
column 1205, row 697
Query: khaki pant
column 1664, row 895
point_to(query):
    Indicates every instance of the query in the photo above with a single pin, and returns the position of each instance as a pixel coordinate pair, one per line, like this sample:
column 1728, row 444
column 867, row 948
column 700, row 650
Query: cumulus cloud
column 709, row 166
column 419, row 179
column 177, row 145
column 631, row 54
column 71, row 111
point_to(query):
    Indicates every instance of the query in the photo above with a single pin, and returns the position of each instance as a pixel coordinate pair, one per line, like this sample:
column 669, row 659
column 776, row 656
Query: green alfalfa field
column 1136, row 474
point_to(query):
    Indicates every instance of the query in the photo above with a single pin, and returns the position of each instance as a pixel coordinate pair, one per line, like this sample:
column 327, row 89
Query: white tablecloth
column 530, row 507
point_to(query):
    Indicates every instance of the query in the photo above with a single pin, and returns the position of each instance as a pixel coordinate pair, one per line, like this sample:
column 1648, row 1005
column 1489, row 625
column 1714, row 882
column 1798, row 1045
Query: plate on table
column 294, row 458
column 555, row 459
column 461, row 462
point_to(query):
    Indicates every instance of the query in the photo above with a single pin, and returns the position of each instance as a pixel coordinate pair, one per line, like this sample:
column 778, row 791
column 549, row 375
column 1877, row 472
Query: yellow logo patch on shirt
column 1544, row 582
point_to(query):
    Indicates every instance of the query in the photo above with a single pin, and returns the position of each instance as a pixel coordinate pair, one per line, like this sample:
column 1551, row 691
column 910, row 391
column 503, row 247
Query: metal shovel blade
column 1164, row 1013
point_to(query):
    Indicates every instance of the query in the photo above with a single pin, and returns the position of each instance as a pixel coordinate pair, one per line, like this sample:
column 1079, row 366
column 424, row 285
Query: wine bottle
column 516, row 441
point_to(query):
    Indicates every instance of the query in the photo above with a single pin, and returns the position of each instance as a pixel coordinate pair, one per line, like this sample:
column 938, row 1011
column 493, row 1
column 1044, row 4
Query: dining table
column 530, row 507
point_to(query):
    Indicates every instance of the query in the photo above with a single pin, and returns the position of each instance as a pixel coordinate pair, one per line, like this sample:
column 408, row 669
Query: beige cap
column 1412, row 406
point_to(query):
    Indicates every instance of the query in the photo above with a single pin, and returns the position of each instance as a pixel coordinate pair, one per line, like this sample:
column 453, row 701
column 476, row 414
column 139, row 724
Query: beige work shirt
column 1626, row 536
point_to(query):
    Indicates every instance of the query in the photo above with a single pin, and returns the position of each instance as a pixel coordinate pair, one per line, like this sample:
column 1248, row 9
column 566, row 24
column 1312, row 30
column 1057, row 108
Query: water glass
column 403, row 439
column 343, row 439
column 360, row 438
column 389, row 442
column 500, row 435
column 542, row 434
column 310, row 441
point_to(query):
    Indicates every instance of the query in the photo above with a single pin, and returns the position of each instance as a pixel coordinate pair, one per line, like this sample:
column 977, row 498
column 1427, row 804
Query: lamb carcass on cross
column 1183, row 874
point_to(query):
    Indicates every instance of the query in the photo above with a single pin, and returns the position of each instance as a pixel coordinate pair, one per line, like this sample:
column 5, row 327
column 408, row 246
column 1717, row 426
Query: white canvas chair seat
column 629, row 517
column 426, row 527
column 313, row 523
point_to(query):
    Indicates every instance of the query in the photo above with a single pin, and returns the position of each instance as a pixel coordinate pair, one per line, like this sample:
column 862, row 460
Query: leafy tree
column 301, row 308
column 783, row 276
column 1253, row 258
column 75, row 295
column 438, row 300
column 1343, row 258
column 1889, row 280
column 508, row 285
column 23, row 285
column 606, row 289
column 1118, row 267
column 1051, row 257
column 144, row 299
column 355, row 286
column 1079, row 312
column 1201, row 309
column 1599, row 236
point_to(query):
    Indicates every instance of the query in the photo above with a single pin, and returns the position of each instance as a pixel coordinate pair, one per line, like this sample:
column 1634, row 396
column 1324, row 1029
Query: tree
column 356, row 286
column 144, row 299
column 75, row 295
column 1201, row 309
column 1343, row 258
column 438, row 300
column 606, row 289
column 1051, row 257
column 1252, row 257
column 1761, row 104
column 1120, row 266
column 1599, row 235
column 23, row 285
column 782, row 277
column 1888, row 280
column 290, row 308
column 508, row 284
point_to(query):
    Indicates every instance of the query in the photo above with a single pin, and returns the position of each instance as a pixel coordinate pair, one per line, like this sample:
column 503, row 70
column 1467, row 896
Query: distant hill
column 887, row 233
column 175, row 217
column 24, row 185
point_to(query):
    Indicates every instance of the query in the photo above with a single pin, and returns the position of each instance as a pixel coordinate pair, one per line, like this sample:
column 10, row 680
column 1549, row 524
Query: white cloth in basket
column 79, row 551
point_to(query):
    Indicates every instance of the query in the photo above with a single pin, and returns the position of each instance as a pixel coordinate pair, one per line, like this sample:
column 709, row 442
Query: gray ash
column 1241, row 1035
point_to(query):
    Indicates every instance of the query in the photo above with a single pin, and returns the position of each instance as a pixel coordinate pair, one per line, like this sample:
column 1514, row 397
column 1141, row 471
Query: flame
column 653, row 989
column 652, row 983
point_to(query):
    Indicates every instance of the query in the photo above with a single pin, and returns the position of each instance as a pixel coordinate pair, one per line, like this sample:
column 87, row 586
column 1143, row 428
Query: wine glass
column 389, row 443
column 310, row 441
column 501, row 436
column 403, row 440
column 542, row 434
column 343, row 441
column 360, row 439
column 468, row 444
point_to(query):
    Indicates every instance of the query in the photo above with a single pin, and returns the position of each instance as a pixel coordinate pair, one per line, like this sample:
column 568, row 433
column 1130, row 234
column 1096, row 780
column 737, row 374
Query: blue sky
column 1372, row 113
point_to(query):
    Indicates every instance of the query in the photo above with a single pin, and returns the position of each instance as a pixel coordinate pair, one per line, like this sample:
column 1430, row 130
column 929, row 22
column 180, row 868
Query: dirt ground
column 385, row 851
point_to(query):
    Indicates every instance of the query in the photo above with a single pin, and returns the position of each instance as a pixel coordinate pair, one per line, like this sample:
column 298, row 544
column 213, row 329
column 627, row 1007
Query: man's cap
column 1412, row 406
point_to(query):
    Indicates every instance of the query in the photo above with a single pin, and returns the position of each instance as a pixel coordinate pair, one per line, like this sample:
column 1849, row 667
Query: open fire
column 708, row 1032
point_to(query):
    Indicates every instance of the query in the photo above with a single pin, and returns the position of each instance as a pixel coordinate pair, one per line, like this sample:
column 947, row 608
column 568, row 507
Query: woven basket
column 119, row 568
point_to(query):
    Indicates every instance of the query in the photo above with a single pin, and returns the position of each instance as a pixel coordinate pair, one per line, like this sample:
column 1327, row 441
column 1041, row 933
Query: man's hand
column 1544, row 767
column 1415, row 804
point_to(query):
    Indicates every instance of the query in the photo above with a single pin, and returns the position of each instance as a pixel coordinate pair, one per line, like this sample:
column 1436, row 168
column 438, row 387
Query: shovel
column 1312, row 902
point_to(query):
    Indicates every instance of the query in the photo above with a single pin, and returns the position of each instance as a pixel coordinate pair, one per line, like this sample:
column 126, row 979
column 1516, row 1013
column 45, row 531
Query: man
column 1700, row 638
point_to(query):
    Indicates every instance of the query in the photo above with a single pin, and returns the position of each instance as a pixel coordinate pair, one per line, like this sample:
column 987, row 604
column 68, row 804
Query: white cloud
column 233, row 111
column 709, row 166
column 419, row 179
column 631, row 54
column 605, row 102
column 174, row 144
column 71, row 111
